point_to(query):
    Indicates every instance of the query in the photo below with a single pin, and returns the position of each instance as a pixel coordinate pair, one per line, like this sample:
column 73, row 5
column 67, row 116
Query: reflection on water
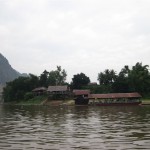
column 54, row 128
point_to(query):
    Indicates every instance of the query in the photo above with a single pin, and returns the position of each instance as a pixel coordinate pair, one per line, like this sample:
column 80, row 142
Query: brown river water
column 74, row 128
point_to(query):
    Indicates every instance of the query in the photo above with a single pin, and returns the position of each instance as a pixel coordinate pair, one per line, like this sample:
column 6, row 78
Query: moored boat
column 115, row 99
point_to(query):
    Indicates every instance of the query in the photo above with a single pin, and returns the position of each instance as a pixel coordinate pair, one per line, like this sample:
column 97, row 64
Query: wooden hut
column 58, row 92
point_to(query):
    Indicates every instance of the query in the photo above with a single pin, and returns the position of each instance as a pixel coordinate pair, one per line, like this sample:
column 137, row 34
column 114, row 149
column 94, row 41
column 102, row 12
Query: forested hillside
column 7, row 73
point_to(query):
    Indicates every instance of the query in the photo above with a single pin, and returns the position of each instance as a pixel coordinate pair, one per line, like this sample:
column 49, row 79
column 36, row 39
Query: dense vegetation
column 21, row 88
column 136, row 79
column 79, row 80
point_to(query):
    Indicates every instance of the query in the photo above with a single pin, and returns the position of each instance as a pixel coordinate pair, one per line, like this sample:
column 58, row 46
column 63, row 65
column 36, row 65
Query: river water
column 74, row 128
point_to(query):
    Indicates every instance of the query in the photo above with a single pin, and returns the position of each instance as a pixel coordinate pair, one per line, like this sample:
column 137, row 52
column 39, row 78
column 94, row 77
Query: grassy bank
column 146, row 101
column 34, row 101
column 42, row 100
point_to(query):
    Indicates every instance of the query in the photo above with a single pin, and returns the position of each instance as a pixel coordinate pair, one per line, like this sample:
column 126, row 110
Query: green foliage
column 57, row 97
column 15, row 90
column 80, row 80
column 35, row 100
column 21, row 87
column 57, row 77
column 107, row 77
column 98, row 89
column 28, row 95
column 52, row 80
column 43, row 81
column 136, row 79
column 139, row 78
column 121, row 84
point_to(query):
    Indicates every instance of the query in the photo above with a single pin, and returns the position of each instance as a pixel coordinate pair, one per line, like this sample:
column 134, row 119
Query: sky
column 86, row 36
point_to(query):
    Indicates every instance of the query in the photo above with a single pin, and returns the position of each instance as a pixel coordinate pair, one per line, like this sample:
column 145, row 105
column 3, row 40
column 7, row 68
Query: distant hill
column 7, row 73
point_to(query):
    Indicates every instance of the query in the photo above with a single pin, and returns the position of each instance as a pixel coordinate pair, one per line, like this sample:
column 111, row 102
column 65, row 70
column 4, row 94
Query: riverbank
column 34, row 101
column 146, row 102
column 42, row 100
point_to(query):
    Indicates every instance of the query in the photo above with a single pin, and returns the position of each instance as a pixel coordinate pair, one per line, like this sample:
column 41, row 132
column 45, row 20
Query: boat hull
column 118, row 104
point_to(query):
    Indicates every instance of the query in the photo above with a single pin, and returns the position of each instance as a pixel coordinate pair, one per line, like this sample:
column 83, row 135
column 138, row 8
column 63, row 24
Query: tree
column 121, row 83
column 57, row 77
column 20, row 87
column 16, row 89
column 80, row 80
column 136, row 79
column 107, row 77
column 139, row 78
column 44, row 79
column 106, row 80
column 33, row 81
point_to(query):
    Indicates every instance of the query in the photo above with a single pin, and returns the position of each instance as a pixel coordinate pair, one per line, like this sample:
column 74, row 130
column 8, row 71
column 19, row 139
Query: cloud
column 80, row 35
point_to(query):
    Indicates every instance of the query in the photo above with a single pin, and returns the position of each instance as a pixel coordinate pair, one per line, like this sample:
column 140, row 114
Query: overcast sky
column 86, row 36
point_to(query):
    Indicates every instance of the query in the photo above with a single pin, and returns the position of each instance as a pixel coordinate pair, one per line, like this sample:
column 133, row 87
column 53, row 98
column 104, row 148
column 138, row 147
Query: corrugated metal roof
column 81, row 92
column 57, row 88
column 115, row 95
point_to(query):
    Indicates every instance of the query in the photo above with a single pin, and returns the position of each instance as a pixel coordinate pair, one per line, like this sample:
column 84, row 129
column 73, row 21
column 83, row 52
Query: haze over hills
column 7, row 73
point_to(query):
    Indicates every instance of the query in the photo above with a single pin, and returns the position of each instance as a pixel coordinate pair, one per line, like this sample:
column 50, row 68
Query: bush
column 28, row 96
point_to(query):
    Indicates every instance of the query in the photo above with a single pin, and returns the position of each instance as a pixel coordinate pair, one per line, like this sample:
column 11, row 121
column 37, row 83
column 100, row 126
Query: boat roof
column 115, row 95
column 81, row 92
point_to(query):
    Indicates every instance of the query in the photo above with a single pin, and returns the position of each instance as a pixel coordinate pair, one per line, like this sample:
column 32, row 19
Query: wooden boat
column 115, row 99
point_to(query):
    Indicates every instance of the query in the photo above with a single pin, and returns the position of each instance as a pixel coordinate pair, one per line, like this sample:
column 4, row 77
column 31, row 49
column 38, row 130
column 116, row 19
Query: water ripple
column 55, row 128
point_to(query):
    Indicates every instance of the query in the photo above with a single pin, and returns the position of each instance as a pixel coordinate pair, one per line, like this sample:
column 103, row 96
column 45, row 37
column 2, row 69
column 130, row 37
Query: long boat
column 115, row 99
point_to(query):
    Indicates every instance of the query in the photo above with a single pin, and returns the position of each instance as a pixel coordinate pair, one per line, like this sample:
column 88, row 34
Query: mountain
column 7, row 73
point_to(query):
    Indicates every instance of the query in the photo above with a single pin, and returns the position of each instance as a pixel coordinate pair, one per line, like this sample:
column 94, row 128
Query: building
column 83, row 93
column 39, row 91
column 58, row 92
column 81, row 97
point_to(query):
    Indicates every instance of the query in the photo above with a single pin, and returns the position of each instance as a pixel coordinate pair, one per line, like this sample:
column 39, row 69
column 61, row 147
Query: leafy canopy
column 80, row 80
